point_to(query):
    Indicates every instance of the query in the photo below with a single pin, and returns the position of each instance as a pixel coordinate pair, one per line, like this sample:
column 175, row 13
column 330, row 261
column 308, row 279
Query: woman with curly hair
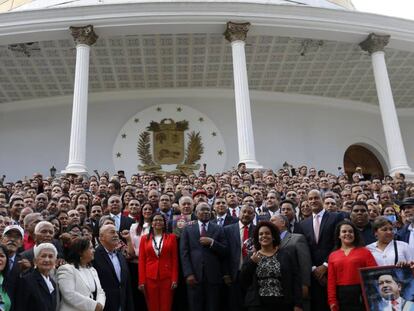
column 271, row 276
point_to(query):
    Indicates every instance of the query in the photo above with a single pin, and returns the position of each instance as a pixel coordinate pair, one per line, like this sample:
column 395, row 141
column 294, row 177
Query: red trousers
column 159, row 295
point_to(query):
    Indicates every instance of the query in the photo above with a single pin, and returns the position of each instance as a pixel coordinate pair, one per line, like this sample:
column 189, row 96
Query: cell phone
column 293, row 172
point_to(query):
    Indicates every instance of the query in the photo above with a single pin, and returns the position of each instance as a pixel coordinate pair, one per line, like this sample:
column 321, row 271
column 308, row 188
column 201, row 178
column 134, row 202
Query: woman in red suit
column 158, row 265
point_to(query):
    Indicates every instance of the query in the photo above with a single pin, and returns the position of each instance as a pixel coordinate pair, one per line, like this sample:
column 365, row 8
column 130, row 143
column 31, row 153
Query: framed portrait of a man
column 388, row 288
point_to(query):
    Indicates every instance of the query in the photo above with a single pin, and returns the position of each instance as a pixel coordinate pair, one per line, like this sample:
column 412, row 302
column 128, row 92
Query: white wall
column 289, row 128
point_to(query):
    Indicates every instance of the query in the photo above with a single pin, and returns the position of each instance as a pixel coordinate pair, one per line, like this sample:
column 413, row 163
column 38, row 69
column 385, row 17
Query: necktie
column 245, row 238
column 221, row 222
column 233, row 213
column 11, row 261
column 203, row 230
column 394, row 304
column 316, row 227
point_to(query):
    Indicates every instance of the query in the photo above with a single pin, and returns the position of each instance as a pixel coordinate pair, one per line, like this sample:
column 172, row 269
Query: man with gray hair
column 297, row 246
column 43, row 233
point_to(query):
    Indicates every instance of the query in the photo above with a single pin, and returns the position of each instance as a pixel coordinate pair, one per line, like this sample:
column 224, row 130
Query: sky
column 398, row 8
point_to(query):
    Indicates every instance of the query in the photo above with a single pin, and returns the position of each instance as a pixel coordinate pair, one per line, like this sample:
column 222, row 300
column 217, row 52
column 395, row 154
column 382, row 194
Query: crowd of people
column 292, row 239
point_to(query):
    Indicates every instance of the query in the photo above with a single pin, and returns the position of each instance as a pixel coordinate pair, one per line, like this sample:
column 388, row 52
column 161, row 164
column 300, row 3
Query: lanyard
column 157, row 247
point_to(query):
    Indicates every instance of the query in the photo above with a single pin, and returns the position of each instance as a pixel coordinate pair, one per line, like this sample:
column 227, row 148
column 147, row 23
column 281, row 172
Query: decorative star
column 123, row 136
column 179, row 109
column 213, row 134
column 136, row 120
column 159, row 109
column 220, row 152
column 118, row 155
column 201, row 119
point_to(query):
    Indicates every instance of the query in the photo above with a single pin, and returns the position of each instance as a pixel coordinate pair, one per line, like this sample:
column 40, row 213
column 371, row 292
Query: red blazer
column 153, row 267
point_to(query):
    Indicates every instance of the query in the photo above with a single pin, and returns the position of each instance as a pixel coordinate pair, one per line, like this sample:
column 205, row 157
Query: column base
column 251, row 164
column 75, row 170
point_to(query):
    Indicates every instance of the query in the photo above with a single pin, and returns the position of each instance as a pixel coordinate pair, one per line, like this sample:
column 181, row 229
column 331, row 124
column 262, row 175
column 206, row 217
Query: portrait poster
column 388, row 288
column 179, row 222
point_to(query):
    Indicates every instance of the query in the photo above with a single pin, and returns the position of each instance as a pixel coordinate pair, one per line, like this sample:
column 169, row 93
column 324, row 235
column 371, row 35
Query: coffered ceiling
column 280, row 64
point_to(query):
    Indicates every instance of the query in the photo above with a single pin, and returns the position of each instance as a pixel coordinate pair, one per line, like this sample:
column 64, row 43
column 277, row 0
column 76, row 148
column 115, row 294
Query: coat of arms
column 168, row 147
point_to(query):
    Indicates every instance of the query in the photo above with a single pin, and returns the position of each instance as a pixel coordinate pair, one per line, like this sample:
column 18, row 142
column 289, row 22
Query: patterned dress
column 268, row 276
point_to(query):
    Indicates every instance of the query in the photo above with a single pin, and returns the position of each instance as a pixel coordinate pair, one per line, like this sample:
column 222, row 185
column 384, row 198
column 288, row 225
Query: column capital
column 236, row 31
column 375, row 43
column 84, row 35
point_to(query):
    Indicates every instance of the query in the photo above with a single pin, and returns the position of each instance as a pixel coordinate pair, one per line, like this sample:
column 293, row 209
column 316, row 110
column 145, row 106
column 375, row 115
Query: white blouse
column 387, row 256
column 136, row 239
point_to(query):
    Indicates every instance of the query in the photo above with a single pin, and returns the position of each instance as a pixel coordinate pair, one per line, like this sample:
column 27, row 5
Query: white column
column 375, row 45
column 84, row 38
column 236, row 34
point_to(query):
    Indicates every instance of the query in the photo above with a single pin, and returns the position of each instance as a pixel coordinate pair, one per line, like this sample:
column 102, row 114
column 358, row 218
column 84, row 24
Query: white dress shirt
column 411, row 239
column 387, row 256
column 200, row 225
column 48, row 283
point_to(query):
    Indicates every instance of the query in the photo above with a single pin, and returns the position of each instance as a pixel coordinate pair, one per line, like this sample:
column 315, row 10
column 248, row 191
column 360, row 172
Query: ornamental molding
column 196, row 17
column 84, row 34
column 375, row 43
column 236, row 31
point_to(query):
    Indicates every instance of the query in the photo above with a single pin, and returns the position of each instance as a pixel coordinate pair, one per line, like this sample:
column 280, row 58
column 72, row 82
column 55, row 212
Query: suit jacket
column 406, row 305
column 29, row 254
column 12, row 280
column 227, row 221
column 205, row 262
column 126, row 223
column 118, row 293
column 403, row 234
column 163, row 267
column 320, row 251
column 299, row 249
column 232, row 233
column 75, row 291
column 290, row 279
column 33, row 293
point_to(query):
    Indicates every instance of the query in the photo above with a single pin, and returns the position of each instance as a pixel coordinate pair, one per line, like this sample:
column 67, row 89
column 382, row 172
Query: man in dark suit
column 113, row 271
column 406, row 233
column 238, row 254
column 319, row 231
column 13, row 239
column 165, row 208
column 115, row 207
column 222, row 217
column 297, row 246
column 287, row 209
column 43, row 233
column 203, row 248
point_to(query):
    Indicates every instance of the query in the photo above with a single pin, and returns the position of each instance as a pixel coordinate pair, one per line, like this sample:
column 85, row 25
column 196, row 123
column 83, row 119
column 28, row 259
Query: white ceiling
column 335, row 69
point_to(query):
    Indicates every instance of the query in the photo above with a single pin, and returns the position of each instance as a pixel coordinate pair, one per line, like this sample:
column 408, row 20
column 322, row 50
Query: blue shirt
column 115, row 263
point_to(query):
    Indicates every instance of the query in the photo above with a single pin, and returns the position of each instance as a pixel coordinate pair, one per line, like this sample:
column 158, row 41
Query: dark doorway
column 357, row 155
